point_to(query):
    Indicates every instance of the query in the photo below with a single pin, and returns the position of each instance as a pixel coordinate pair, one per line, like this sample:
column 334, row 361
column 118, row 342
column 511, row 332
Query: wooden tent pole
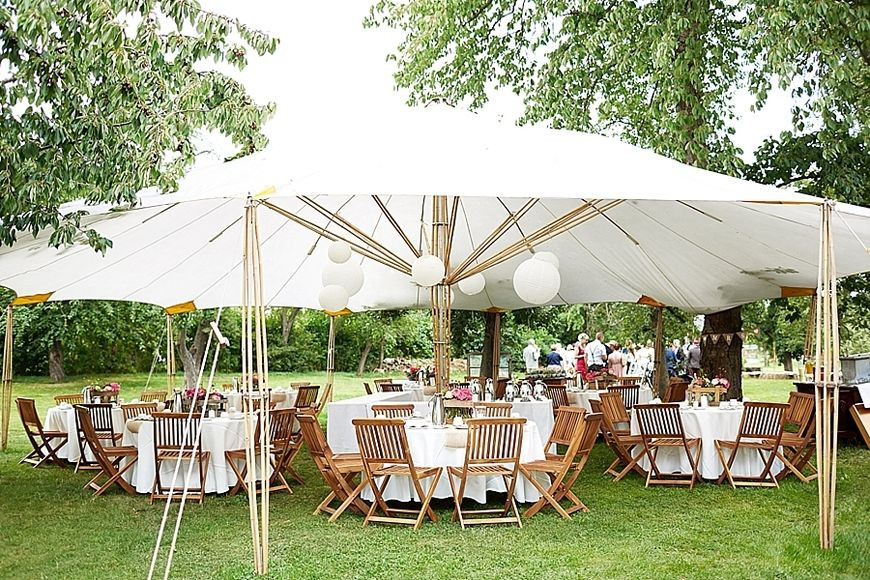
column 330, row 351
column 660, row 372
column 496, row 349
column 170, row 354
column 7, row 376
column 440, row 295
column 835, row 396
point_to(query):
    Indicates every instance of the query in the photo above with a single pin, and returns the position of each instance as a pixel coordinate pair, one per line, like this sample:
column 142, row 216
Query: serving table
column 445, row 447
column 708, row 423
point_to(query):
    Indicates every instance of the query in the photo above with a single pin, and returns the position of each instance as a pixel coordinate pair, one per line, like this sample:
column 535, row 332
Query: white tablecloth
column 709, row 424
column 234, row 399
column 581, row 398
column 64, row 419
column 218, row 435
column 342, row 438
column 429, row 448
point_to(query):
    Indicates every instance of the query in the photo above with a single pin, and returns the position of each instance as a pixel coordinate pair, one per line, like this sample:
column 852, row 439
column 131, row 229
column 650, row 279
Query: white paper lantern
column 339, row 252
column 333, row 298
column 537, row 281
column 472, row 285
column 427, row 270
column 348, row 275
column 548, row 257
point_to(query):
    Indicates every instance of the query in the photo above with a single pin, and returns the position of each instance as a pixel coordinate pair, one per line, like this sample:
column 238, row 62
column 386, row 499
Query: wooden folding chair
column 379, row 382
column 630, row 394
column 662, row 427
column 280, row 433
column 133, row 410
column 104, row 427
column 74, row 399
column 45, row 444
column 108, row 458
column 628, row 381
column 557, row 468
column 393, row 411
column 176, row 440
column 391, row 388
column 490, row 409
column 492, row 449
column 299, row 384
column 337, row 470
column 368, row 388
column 798, row 444
column 559, row 395
column 384, row 451
column 325, row 398
column 306, row 397
column 676, row 391
column 760, row 429
column 616, row 429
column 153, row 396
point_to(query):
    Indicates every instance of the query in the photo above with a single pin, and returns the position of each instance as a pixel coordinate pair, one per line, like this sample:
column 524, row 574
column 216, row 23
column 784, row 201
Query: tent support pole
column 496, row 349
column 7, row 376
column 441, row 296
column 330, row 351
column 660, row 372
column 401, row 266
column 827, row 380
column 170, row 355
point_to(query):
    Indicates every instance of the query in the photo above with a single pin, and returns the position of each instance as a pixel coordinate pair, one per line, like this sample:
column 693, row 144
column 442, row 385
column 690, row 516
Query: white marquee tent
column 652, row 227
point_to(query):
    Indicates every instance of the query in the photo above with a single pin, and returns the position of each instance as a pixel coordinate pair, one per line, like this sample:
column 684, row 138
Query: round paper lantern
column 427, row 270
column 537, row 281
column 472, row 285
column 339, row 252
column 333, row 298
column 348, row 275
column 548, row 257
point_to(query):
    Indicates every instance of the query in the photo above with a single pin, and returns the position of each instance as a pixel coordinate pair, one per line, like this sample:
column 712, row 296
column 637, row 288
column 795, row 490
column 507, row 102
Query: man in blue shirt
column 554, row 359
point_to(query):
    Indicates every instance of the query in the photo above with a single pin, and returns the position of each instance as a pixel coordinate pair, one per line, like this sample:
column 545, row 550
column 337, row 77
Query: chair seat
column 347, row 457
column 121, row 451
column 554, row 457
column 673, row 442
column 630, row 439
column 486, row 469
column 55, row 433
column 545, row 465
column 421, row 472
column 792, row 440
column 174, row 454
column 751, row 444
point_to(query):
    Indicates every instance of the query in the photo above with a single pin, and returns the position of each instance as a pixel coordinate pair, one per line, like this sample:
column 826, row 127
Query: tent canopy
column 680, row 235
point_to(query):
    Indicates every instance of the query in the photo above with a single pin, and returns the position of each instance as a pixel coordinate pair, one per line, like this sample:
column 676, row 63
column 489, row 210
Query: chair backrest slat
column 658, row 421
column 490, row 409
column 799, row 417
column 382, row 441
column 496, row 440
column 306, row 396
column 391, row 388
column 558, row 394
column 629, row 393
column 73, row 399
column 153, row 396
column 613, row 408
column 169, row 431
column 133, row 410
column 762, row 420
column 28, row 413
column 393, row 411
column 568, row 420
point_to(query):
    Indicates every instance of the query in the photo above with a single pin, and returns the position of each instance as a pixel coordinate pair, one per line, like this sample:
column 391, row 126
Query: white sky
column 327, row 61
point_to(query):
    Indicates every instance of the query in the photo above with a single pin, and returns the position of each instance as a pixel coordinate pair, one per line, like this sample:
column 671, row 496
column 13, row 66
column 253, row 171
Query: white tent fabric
column 682, row 236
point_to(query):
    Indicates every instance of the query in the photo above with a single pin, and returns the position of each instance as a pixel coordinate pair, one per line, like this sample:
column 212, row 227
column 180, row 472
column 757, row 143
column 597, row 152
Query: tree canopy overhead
column 103, row 98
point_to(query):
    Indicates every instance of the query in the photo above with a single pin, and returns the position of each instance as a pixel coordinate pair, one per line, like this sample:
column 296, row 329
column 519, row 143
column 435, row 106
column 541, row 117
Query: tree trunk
column 55, row 362
column 722, row 358
column 288, row 317
column 381, row 355
column 191, row 358
column 787, row 363
column 486, row 362
column 363, row 358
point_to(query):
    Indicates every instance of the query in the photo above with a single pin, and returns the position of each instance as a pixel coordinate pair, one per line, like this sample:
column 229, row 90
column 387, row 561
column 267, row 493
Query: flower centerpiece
column 599, row 379
column 107, row 393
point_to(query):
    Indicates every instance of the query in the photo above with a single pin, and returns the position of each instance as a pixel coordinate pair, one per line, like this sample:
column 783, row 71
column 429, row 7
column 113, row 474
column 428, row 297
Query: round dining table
column 708, row 423
column 63, row 418
column 219, row 434
column 582, row 397
column 445, row 447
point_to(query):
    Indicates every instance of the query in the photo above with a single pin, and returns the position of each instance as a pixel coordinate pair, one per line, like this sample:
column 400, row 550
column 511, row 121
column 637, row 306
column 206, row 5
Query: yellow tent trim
column 647, row 301
column 32, row 299
column 792, row 291
column 341, row 312
column 181, row 308
column 266, row 192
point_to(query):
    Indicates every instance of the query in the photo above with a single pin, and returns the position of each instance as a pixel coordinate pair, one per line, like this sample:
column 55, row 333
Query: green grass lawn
column 52, row 528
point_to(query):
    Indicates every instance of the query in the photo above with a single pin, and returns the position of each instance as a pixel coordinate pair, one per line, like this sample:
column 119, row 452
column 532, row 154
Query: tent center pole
column 7, row 377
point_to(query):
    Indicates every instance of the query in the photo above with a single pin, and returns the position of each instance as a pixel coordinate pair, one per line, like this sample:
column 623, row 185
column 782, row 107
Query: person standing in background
column 554, row 359
column 693, row 358
column 615, row 360
column 596, row 354
column 580, row 354
column 531, row 354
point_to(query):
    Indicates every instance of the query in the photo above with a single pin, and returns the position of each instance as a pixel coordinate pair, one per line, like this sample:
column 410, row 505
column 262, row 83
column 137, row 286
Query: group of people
column 586, row 357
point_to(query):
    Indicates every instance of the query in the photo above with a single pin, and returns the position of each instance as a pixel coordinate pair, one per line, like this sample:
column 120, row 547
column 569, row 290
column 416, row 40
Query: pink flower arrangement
column 114, row 387
column 721, row 382
column 190, row 392
column 462, row 394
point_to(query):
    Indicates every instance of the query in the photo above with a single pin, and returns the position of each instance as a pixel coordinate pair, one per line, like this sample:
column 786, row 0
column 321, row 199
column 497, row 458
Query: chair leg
column 726, row 465
column 425, row 509
column 546, row 497
column 240, row 475
column 350, row 498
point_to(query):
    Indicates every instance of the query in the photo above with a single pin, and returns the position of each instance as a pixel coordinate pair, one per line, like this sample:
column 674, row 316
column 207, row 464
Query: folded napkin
column 279, row 397
column 456, row 438
column 133, row 425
